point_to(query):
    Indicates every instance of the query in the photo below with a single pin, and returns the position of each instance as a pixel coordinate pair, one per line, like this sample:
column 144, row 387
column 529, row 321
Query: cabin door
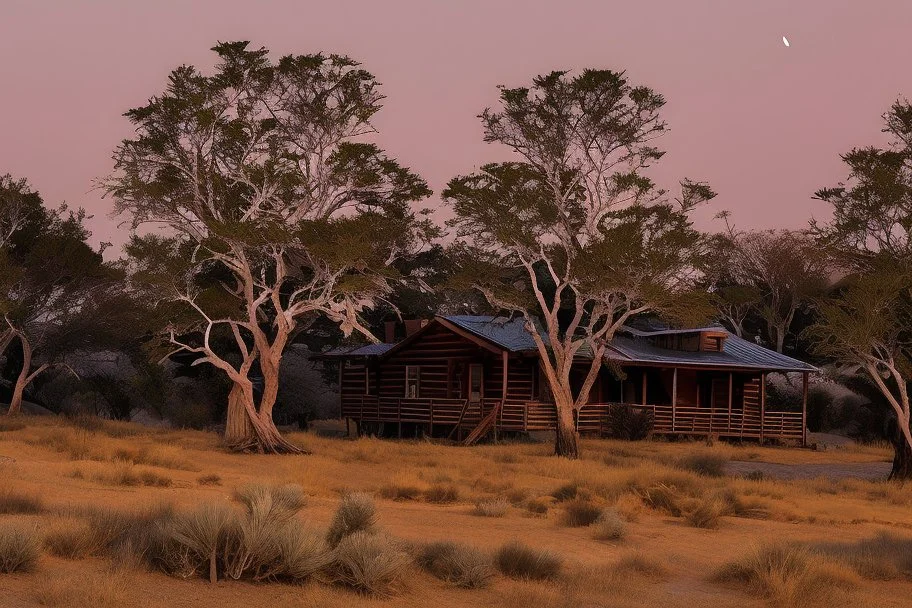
column 476, row 382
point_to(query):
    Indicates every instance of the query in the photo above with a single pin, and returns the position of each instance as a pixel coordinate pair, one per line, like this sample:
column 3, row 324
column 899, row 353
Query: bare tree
column 262, row 174
column 574, row 237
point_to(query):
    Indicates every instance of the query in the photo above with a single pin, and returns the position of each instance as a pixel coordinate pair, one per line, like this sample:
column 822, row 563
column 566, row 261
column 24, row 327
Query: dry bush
column 706, row 513
column 538, row 506
column 194, row 540
column 789, row 576
column 84, row 590
column 70, row 539
column 457, row 564
column 126, row 534
column 491, row 507
column 280, row 502
column 370, row 564
column 157, row 457
column 707, row 464
column 517, row 560
column 76, row 443
column 20, row 547
column 14, row 502
column 442, row 493
column 609, row 526
column 403, row 488
column 356, row 513
column 629, row 506
column 125, row 474
column 580, row 512
column 211, row 479
column 663, row 498
column 568, row 491
column 883, row 558
column 303, row 553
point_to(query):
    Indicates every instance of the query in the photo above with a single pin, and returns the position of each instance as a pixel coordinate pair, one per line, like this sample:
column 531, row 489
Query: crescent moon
column 785, row 41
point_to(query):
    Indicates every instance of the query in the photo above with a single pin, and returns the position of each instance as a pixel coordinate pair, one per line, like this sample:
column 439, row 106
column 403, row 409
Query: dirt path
column 858, row 470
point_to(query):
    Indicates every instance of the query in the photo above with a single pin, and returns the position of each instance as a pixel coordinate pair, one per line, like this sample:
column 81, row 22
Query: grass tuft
column 442, row 493
column 20, row 547
column 609, row 526
column 13, row 502
column 356, row 513
column 370, row 564
column 517, row 560
column 580, row 512
column 491, row 507
column 458, row 564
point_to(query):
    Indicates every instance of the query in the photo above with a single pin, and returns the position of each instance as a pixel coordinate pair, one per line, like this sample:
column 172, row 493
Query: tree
column 277, row 210
column 573, row 236
column 57, row 292
column 770, row 274
column 867, row 324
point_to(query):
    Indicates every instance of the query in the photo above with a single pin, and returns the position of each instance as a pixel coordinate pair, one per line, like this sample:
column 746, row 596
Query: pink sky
column 764, row 124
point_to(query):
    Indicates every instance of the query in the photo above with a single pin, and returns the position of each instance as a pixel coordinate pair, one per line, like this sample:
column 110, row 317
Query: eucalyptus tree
column 867, row 322
column 54, row 286
column 572, row 235
column 770, row 274
column 277, row 211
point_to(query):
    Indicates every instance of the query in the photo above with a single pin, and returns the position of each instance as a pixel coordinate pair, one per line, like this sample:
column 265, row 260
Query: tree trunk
column 22, row 381
column 238, row 429
column 566, row 442
column 263, row 436
column 902, row 458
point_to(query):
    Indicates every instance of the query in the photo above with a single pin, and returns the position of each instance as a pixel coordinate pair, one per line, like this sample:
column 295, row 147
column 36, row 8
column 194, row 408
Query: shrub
column 538, row 506
column 609, row 526
column 356, row 513
column 632, row 424
column 125, row 474
column 271, row 502
column 707, row 464
column 580, row 512
column 568, row 491
column 19, row 547
column 641, row 564
column 629, row 506
column 71, row 540
column 442, row 493
column 457, row 564
column 517, row 560
column 370, row 564
column 402, row 490
column 788, row 576
column 882, row 558
column 197, row 537
column 14, row 502
column 492, row 507
column 706, row 513
column 665, row 498
column 302, row 553
column 209, row 480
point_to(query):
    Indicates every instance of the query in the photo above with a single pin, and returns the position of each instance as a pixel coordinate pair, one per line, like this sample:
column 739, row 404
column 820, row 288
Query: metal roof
column 628, row 347
column 509, row 334
column 736, row 353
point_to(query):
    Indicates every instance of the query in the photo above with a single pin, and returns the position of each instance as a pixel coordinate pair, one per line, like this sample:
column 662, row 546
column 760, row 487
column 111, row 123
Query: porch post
column 804, row 406
column 644, row 385
column 762, row 405
column 674, row 397
column 731, row 384
column 503, row 392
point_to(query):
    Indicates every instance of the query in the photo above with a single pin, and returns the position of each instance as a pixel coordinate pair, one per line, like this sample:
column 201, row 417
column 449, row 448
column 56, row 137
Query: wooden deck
column 592, row 419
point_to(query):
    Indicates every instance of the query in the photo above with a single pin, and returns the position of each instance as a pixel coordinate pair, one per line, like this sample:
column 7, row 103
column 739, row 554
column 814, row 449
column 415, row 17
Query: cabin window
column 412, row 381
column 476, row 382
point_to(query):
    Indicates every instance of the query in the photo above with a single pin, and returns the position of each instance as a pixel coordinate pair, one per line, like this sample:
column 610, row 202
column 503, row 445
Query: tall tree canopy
column 276, row 208
column 573, row 235
column 867, row 322
column 55, row 290
column 769, row 276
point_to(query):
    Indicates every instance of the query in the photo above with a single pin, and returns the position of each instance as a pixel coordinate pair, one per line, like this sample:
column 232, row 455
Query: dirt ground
column 806, row 497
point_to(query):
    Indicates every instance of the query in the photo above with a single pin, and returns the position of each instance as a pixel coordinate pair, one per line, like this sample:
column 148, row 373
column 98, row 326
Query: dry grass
column 491, row 507
column 70, row 539
column 356, row 513
column 124, row 473
column 370, row 564
column 442, row 493
column 580, row 512
column 14, row 502
column 211, row 479
column 517, row 560
column 609, row 526
column 20, row 547
column 789, row 576
column 96, row 590
column 457, row 564
column 885, row 557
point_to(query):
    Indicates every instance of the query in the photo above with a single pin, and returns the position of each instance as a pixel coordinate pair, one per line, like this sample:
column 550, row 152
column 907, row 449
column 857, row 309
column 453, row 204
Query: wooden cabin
column 472, row 375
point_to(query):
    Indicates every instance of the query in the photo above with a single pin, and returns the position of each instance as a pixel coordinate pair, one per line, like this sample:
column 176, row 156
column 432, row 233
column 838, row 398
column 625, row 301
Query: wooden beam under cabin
column 804, row 407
